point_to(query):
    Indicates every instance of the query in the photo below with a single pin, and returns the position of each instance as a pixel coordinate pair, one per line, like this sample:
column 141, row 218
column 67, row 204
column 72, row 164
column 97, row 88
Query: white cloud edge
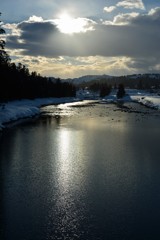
column 109, row 9
column 127, row 4
column 122, row 19
column 130, row 4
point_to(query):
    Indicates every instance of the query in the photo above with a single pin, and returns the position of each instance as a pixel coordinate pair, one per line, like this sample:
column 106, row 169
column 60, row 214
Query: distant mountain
column 143, row 81
column 88, row 78
column 146, row 75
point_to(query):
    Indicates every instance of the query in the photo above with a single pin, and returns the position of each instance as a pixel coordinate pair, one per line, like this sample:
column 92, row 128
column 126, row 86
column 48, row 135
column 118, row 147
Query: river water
column 85, row 171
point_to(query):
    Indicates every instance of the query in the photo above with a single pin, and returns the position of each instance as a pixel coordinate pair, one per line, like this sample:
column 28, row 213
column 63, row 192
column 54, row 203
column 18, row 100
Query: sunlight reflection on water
column 68, row 213
column 92, row 176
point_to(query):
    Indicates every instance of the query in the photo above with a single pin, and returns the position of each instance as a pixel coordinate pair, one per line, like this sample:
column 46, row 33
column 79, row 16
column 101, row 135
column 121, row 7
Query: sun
column 69, row 25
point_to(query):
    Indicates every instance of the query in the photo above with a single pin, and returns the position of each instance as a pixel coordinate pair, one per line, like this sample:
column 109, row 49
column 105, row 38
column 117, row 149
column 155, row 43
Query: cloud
column 122, row 19
column 128, row 34
column 130, row 41
column 35, row 19
column 152, row 18
column 36, row 31
column 154, row 13
column 109, row 9
column 44, row 38
column 83, row 66
column 130, row 4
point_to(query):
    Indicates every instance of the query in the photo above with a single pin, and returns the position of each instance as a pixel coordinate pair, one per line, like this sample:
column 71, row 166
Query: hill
column 141, row 81
column 88, row 78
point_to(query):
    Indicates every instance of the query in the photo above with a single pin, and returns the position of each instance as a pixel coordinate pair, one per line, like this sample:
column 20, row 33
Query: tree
column 121, row 91
column 104, row 90
column 4, row 57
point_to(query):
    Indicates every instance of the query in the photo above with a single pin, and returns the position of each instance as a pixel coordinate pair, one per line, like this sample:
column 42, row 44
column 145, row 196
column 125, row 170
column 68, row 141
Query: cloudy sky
column 72, row 38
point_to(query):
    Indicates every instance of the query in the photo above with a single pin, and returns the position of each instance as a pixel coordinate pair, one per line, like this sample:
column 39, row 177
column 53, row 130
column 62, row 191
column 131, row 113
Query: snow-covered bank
column 16, row 110
column 149, row 100
column 139, row 96
column 145, row 98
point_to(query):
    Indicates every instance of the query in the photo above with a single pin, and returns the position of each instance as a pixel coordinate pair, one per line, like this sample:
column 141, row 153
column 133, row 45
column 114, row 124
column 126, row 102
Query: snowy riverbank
column 145, row 98
column 16, row 110
column 149, row 101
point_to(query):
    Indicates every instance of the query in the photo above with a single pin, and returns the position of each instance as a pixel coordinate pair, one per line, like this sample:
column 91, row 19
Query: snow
column 16, row 110
column 19, row 109
column 139, row 96
column 147, row 99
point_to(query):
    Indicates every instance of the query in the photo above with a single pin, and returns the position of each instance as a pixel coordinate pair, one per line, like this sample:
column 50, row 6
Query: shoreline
column 26, row 109
column 20, row 110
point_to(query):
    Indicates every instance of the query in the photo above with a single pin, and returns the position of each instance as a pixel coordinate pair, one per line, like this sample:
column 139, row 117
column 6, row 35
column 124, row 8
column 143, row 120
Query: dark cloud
column 36, row 31
column 12, row 42
column 143, row 65
column 150, row 19
column 136, row 39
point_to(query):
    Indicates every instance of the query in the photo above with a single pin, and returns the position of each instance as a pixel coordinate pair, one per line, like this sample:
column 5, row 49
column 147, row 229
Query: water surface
column 82, row 172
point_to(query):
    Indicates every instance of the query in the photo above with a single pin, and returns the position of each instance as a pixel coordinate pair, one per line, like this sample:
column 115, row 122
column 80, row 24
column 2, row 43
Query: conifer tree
column 121, row 91
column 4, row 57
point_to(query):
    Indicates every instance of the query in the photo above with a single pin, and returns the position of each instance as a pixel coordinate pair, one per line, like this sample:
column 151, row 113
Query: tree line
column 105, row 89
column 16, row 81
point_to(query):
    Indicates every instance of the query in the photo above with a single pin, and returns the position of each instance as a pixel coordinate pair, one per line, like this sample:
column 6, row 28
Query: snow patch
column 25, row 108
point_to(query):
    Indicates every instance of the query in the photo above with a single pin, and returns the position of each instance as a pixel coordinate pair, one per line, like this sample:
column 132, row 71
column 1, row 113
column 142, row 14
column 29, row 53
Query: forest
column 17, row 82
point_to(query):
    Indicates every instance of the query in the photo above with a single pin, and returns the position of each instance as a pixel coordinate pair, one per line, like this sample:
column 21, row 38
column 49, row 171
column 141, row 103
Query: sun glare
column 69, row 25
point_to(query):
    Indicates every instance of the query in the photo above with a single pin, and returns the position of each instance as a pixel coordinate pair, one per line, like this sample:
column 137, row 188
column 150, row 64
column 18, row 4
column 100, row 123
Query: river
column 85, row 171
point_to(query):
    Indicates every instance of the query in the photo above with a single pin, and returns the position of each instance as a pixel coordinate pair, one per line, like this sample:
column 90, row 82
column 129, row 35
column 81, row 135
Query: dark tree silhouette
column 4, row 57
column 104, row 90
column 121, row 91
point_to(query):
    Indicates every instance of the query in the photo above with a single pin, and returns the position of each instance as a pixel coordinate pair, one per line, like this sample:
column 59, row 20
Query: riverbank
column 139, row 96
column 15, row 110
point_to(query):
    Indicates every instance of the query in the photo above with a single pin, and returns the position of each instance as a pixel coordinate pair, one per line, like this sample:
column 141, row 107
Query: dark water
column 90, row 173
